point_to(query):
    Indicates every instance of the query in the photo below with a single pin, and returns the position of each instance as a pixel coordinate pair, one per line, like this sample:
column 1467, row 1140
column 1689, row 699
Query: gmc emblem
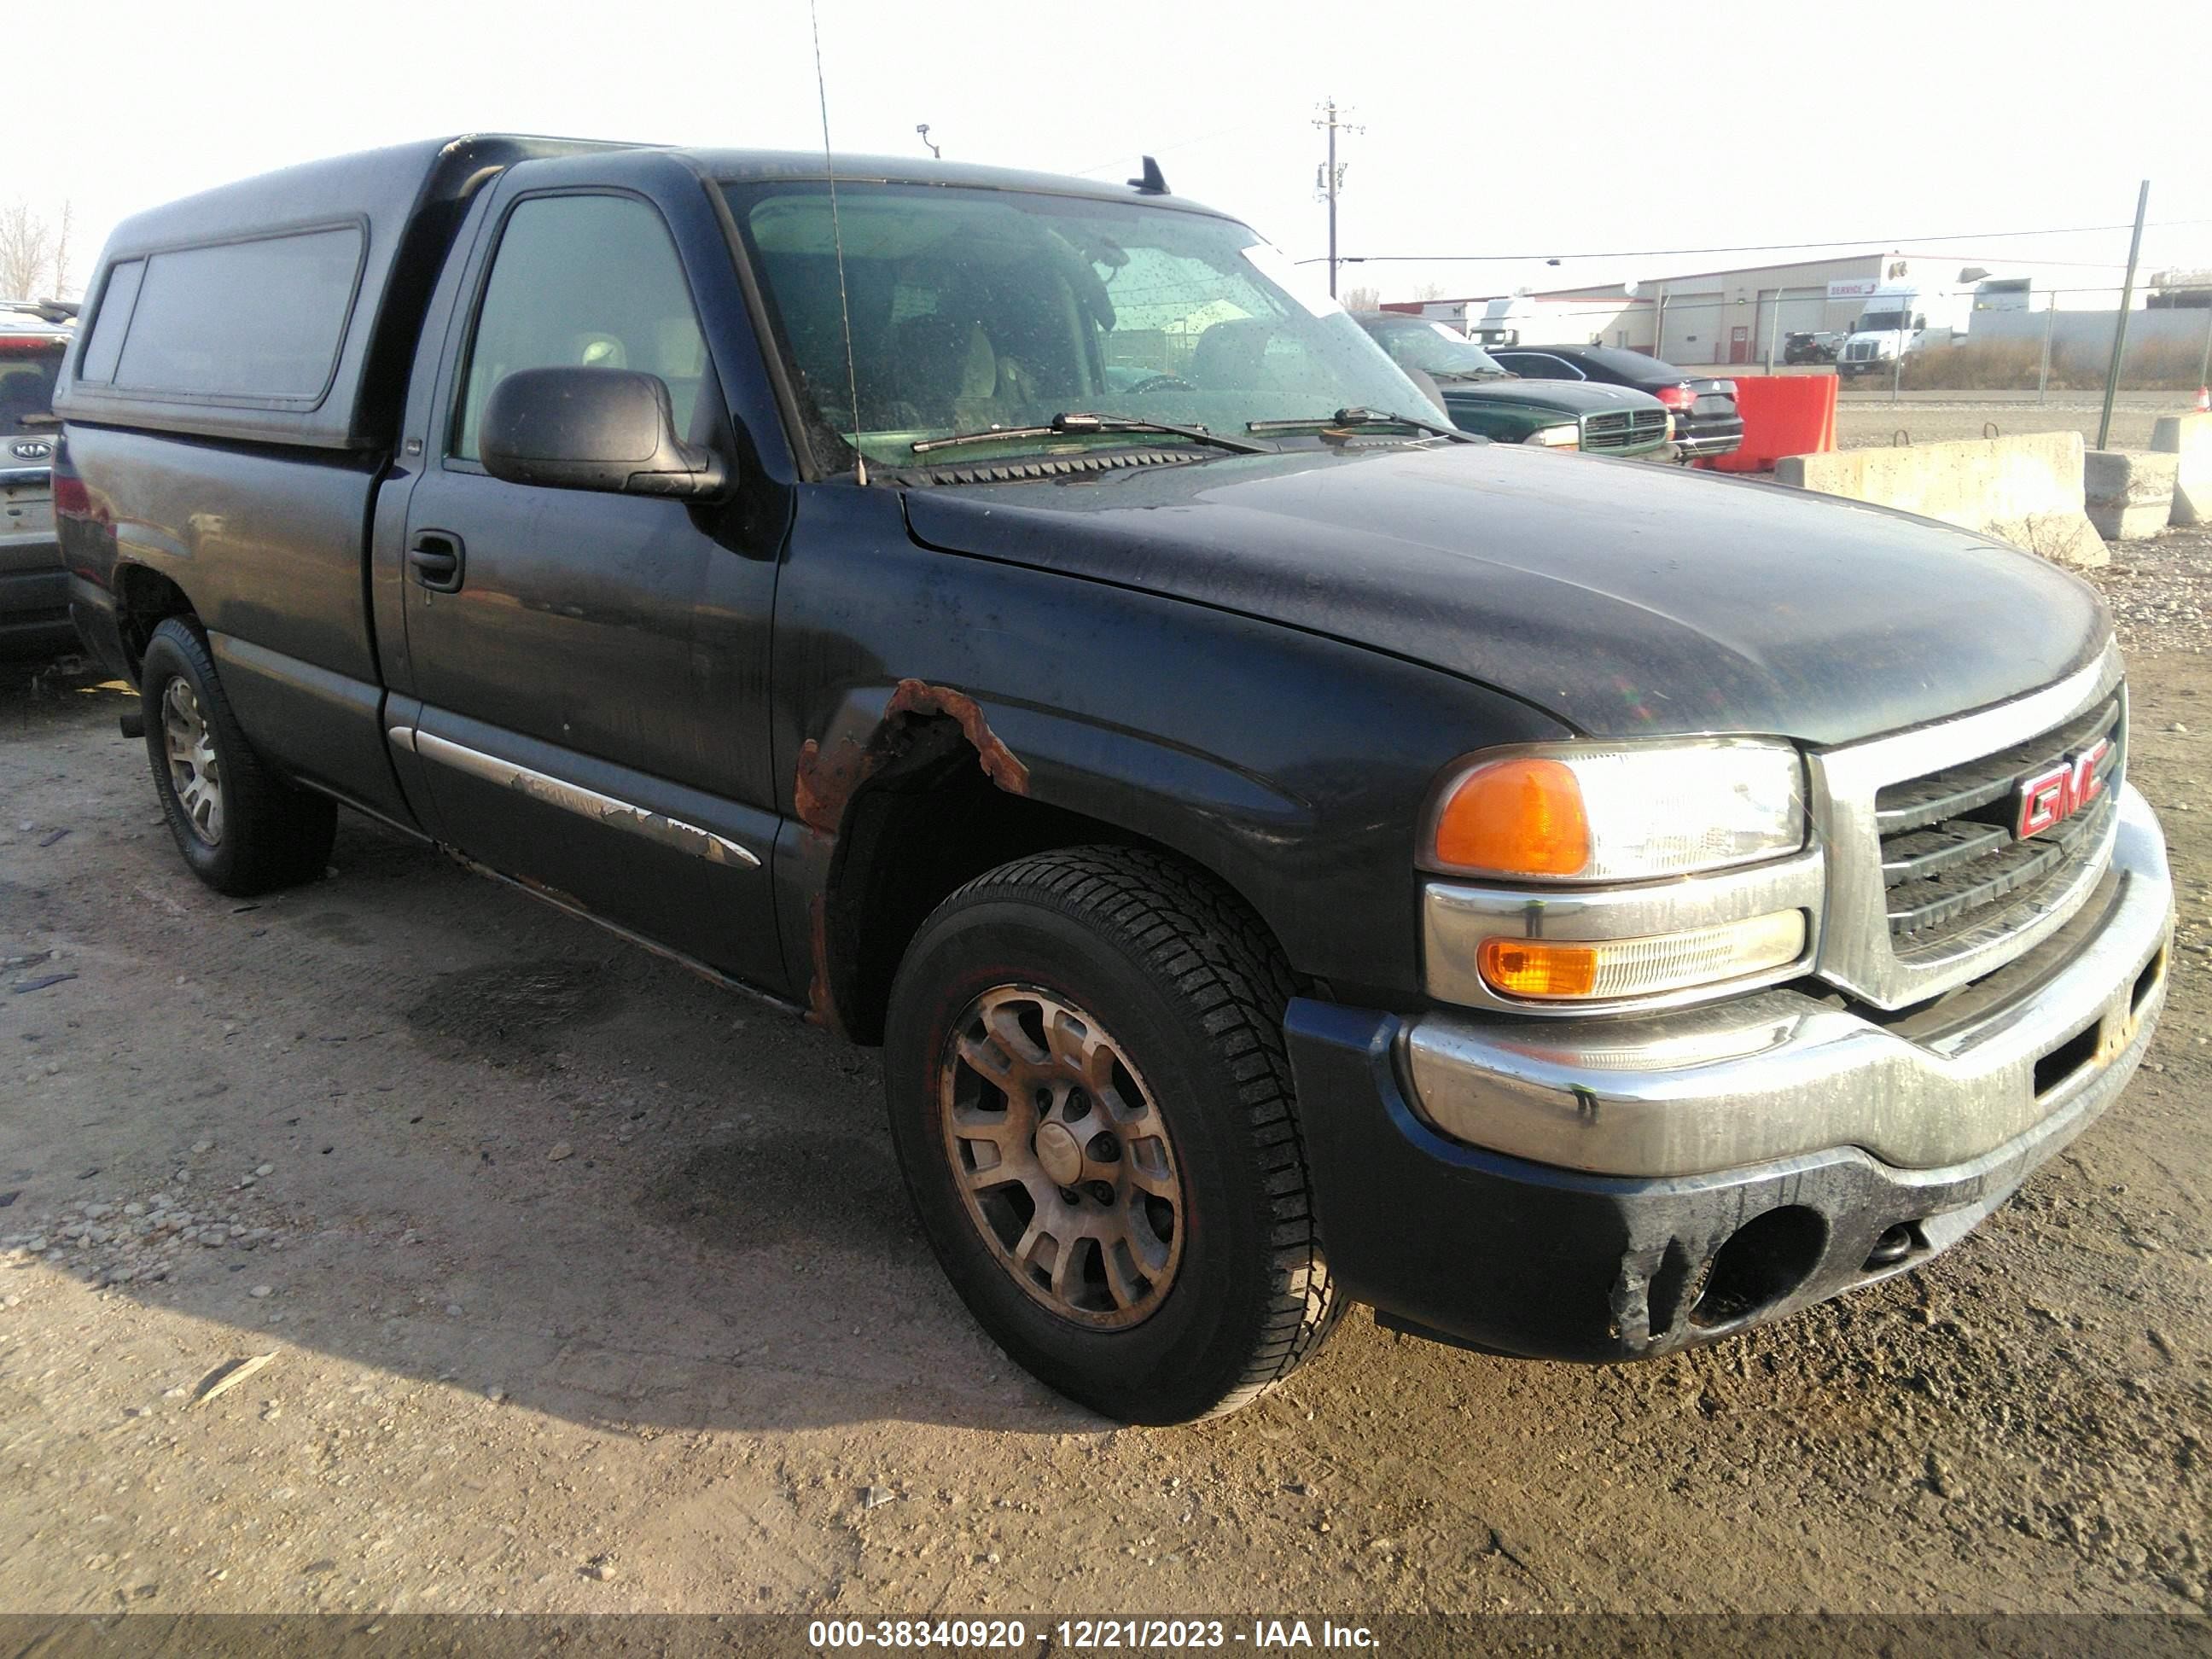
column 2052, row 797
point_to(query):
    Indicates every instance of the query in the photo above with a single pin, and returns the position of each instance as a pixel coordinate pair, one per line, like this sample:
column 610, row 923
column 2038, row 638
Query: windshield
column 1882, row 322
column 27, row 367
column 973, row 308
column 1432, row 348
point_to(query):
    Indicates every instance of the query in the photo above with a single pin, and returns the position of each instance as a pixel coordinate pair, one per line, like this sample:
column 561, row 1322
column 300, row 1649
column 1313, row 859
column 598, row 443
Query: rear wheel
column 242, row 828
column 1095, row 1116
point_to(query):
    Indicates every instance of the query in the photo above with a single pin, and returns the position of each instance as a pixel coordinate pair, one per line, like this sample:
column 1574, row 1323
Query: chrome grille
column 1948, row 849
column 1624, row 429
column 1859, row 351
column 1929, row 885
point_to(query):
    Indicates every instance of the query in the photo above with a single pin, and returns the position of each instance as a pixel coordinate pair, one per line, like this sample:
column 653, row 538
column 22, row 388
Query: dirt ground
column 585, row 1286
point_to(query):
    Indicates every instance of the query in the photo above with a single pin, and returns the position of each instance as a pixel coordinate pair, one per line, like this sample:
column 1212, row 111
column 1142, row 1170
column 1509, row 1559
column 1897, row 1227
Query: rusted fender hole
column 826, row 783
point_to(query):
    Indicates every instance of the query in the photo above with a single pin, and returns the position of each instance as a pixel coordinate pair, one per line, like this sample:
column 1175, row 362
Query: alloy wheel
column 195, row 771
column 1061, row 1157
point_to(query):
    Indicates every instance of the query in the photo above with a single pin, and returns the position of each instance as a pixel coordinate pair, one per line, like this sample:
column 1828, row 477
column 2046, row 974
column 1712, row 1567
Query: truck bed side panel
column 267, row 546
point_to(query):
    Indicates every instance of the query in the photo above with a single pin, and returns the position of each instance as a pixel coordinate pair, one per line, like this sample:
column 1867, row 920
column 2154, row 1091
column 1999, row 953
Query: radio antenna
column 837, row 242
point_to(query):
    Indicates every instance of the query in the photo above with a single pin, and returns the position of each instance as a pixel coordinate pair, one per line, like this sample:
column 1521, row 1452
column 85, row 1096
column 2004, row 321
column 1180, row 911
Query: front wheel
column 1095, row 1116
column 242, row 828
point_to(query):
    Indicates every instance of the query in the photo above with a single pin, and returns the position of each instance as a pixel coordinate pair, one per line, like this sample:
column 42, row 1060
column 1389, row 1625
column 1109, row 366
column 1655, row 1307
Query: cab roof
column 751, row 166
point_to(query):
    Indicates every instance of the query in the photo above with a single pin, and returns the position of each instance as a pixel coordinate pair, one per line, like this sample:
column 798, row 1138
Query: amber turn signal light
column 1520, row 818
column 1539, row 968
column 1556, row 969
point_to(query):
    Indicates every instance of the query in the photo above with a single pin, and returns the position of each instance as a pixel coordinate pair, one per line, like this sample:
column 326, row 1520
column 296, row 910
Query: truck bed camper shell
column 282, row 308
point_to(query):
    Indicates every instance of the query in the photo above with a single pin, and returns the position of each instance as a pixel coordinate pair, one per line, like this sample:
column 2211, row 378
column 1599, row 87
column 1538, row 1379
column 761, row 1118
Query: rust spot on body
column 821, row 1006
column 827, row 781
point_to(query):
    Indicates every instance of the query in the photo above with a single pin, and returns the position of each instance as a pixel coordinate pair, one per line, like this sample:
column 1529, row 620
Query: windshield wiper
column 1348, row 419
column 1081, row 425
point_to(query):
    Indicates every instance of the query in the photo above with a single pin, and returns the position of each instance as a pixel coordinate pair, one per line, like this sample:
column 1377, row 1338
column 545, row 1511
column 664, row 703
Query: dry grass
column 1999, row 366
column 2014, row 365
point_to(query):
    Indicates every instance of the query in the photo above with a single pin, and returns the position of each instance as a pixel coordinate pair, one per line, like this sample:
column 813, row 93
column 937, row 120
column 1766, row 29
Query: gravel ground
column 2161, row 592
column 1863, row 424
column 583, row 1286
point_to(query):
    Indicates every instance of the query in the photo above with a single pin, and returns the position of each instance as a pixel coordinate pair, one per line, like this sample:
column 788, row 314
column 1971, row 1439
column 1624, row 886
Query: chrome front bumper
column 1776, row 1073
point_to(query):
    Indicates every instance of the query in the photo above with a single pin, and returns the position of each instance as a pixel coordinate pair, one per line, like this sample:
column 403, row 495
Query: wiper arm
column 1071, row 425
column 1351, row 419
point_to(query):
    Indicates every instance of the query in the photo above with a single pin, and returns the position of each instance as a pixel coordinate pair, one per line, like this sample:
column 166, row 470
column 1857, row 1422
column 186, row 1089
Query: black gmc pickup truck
column 1290, row 853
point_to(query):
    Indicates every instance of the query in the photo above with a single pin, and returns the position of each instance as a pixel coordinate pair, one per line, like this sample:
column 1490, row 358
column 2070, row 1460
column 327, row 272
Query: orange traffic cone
column 2204, row 400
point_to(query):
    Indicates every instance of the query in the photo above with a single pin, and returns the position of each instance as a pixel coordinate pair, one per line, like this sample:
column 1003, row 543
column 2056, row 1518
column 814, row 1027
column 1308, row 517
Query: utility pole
column 1331, row 181
column 2120, row 328
column 2204, row 358
column 2049, row 321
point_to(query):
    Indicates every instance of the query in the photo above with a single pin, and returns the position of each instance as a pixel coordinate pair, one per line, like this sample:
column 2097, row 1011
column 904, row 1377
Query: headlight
column 1590, row 813
column 1569, row 436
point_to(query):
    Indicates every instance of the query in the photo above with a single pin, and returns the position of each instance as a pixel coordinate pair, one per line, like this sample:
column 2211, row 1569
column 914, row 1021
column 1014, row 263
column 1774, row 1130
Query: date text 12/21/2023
column 1262, row 1636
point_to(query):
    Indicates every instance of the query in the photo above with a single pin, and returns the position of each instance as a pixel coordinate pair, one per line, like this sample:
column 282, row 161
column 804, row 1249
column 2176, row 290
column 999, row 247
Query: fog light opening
column 2147, row 981
column 2062, row 1062
column 1763, row 1261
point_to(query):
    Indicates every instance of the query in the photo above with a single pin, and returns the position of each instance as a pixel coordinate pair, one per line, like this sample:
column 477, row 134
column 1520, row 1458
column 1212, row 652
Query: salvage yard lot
column 589, row 1287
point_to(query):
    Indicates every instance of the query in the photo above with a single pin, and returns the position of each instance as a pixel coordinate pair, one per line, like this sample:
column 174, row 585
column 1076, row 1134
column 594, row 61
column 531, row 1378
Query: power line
column 1897, row 243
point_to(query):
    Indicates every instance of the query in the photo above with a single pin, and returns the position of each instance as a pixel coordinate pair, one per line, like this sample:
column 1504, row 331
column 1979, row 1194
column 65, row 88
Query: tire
column 1172, row 994
column 242, row 828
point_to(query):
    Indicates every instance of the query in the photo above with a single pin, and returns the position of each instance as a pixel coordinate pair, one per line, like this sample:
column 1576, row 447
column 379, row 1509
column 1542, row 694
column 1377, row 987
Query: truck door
column 592, row 667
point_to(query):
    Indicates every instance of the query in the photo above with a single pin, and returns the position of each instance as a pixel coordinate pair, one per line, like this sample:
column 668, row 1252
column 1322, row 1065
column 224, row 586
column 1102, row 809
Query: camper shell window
column 256, row 323
column 111, row 322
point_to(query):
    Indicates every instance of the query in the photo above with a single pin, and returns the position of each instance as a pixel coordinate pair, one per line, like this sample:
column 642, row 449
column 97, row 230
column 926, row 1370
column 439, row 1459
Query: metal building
column 1738, row 316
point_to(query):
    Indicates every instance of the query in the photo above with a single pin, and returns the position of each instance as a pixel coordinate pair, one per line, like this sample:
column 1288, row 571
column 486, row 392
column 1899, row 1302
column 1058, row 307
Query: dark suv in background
column 1812, row 348
column 1706, row 418
column 33, row 589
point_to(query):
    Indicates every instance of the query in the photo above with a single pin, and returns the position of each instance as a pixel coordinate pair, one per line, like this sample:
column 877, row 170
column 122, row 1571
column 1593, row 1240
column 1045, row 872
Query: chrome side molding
column 575, row 797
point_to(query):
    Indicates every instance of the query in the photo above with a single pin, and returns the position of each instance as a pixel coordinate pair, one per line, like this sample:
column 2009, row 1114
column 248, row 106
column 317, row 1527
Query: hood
column 1627, row 599
column 1570, row 396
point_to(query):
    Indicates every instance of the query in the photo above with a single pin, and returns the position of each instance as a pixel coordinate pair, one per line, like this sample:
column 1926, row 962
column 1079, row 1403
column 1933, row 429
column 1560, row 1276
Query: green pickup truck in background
column 1481, row 395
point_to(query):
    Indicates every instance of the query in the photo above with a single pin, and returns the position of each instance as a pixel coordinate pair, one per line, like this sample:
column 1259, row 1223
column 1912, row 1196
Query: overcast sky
column 1495, row 128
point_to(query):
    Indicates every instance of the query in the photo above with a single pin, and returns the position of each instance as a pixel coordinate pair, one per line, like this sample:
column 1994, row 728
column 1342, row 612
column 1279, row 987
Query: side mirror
column 594, row 429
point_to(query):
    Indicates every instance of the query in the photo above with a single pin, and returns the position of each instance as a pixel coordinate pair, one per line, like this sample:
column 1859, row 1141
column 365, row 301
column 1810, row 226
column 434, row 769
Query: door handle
column 434, row 558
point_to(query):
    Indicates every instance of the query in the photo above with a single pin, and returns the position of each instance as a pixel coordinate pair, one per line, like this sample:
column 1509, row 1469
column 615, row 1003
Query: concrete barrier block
column 2027, row 490
column 2129, row 492
column 2189, row 439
